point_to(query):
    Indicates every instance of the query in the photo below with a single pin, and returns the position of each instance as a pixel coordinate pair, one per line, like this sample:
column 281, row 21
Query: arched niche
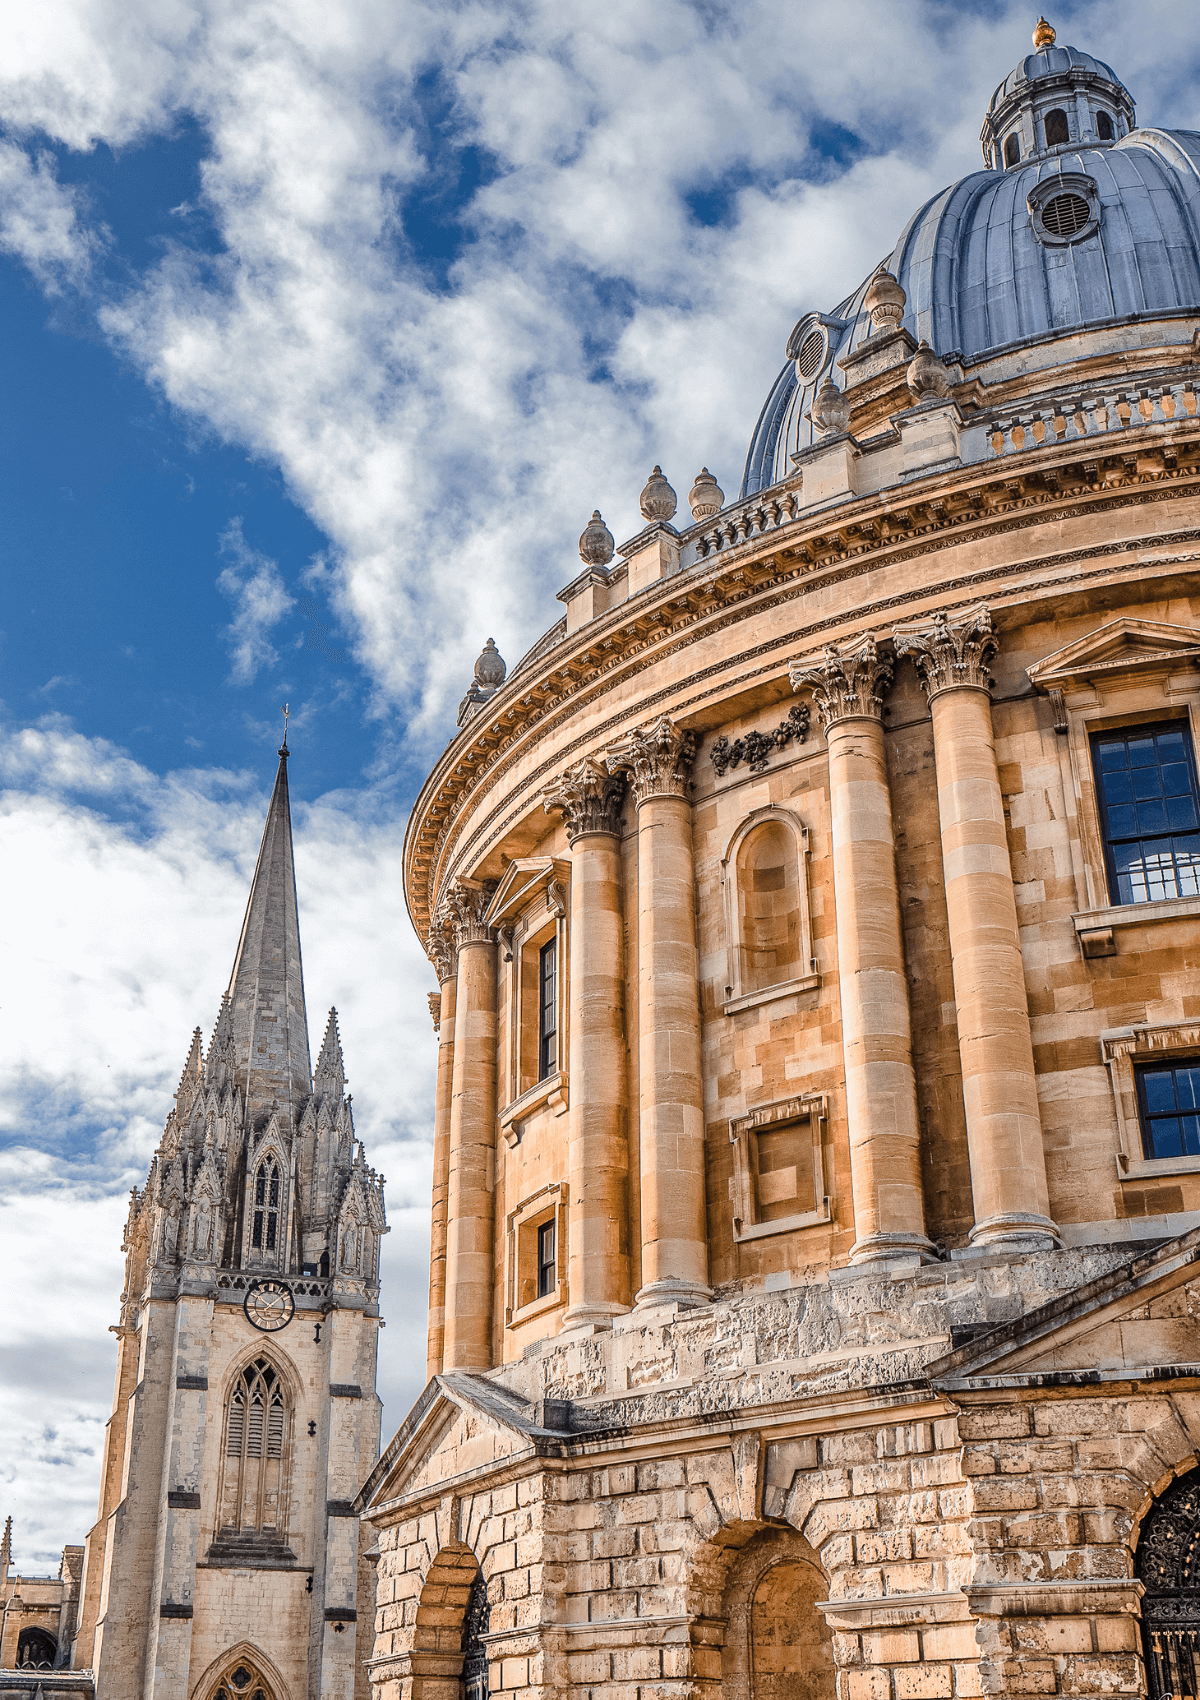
column 449, row 1652
column 777, row 1645
column 767, row 917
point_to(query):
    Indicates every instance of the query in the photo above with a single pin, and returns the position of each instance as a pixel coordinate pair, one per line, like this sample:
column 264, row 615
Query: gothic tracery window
column 265, row 1232
column 256, row 1434
column 242, row 1681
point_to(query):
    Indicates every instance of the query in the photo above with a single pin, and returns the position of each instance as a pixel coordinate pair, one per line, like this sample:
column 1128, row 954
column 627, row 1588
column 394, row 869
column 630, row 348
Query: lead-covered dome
column 1079, row 233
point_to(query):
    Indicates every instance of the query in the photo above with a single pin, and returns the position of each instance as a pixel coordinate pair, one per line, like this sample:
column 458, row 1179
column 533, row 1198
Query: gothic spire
column 329, row 1079
column 6, row 1549
column 266, row 988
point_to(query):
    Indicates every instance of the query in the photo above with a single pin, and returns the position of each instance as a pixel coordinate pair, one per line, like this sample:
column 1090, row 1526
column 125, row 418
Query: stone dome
column 1081, row 235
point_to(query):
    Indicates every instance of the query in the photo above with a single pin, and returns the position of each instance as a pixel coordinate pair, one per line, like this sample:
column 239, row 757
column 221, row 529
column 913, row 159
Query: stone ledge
column 892, row 1610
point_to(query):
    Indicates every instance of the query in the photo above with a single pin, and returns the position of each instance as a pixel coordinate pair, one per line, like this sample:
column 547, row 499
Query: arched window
column 770, row 934
column 36, row 1647
column 257, row 1426
column 265, row 1233
column 242, row 1681
column 1057, row 130
column 1104, row 127
column 1012, row 150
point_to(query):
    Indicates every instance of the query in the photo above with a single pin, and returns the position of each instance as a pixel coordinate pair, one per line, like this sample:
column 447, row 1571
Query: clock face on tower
column 269, row 1305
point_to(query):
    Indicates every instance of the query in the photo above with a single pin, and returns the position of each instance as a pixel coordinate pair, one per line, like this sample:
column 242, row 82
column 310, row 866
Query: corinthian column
column 470, row 1213
column 444, row 956
column 1004, row 1127
column 670, row 1091
column 590, row 799
column 848, row 686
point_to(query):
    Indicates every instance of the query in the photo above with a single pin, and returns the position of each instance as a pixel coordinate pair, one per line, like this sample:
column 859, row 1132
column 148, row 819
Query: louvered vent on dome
column 811, row 355
column 1066, row 215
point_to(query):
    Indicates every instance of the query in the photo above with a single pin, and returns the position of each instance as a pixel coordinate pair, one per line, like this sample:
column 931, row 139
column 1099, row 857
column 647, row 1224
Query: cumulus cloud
column 254, row 584
column 40, row 220
column 132, row 888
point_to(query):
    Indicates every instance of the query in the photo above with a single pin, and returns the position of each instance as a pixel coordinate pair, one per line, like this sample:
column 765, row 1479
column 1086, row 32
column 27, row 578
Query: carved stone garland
column 950, row 652
column 845, row 681
column 589, row 796
column 658, row 760
column 755, row 748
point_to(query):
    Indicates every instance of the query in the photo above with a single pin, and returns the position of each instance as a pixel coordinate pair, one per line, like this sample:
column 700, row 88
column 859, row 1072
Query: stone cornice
column 856, row 538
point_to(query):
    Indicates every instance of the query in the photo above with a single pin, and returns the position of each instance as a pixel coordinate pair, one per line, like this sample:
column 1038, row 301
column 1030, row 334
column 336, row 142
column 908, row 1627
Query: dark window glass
column 1146, row 780
column 1012, row 150
column 546, row 1260
column 256, row 1237
column 1104, row 127
column 548, row 1010
column 1169, row 1101
column 260, row 1186
column 1056, row 128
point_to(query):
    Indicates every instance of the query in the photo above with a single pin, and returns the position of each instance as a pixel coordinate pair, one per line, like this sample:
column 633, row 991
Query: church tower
column 226, row 1562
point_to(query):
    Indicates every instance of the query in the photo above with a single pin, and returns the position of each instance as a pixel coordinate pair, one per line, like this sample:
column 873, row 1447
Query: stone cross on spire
column 266, row 988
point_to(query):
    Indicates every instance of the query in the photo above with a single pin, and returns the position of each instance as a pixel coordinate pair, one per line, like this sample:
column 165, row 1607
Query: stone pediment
column 524, row 879
column 461, row 1426
column 1122, row 646
column 1141, row 1321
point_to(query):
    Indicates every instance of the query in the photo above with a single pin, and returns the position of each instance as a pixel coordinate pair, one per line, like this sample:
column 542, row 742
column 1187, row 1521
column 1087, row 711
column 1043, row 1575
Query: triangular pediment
column 462, row 1426
column 523, row 880
column 1141, row 1321
column 1124, row 645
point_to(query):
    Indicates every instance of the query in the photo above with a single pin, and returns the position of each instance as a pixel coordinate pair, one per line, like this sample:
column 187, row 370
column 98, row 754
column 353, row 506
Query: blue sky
column 325, row 327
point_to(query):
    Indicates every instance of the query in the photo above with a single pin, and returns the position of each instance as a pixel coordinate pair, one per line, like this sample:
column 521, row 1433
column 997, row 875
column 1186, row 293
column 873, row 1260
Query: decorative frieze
column 658, row 760
column 755, row 748
column 846, row 681
column 950, row 652
column 589, row 797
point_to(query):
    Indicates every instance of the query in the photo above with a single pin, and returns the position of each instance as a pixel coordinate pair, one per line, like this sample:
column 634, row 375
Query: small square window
column 1150, row 812
column 547, row 1267
column 1169, row 1106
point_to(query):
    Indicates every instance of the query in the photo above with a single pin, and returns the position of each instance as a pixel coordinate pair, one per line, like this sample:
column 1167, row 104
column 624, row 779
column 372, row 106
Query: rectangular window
column 1169, row 1103
column 548, row 1010
column 1150, row 812
column 547, row 1274
column 256, row 1237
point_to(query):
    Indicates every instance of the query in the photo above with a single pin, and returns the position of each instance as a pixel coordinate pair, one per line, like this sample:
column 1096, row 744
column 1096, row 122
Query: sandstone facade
column 813, row 1290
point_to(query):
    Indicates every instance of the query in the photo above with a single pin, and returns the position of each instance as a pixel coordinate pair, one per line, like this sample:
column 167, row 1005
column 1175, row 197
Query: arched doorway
column 777, row 1645
column 1168, row 1564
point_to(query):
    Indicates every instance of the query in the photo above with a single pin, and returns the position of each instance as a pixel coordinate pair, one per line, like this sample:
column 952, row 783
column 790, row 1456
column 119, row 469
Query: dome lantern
column 1056, row 97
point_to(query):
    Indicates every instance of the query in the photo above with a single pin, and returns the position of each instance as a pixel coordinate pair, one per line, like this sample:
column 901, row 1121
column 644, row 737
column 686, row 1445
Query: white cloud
column 254, row 584
column 40, row 220
column 132, row 889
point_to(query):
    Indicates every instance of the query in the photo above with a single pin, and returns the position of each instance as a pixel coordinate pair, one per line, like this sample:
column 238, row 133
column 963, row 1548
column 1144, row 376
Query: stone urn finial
column 596, row 544
column 830, row 411
column 490, row 668
column 658, row 501
column 884, row 301
column 927, row 375
column 707, row 497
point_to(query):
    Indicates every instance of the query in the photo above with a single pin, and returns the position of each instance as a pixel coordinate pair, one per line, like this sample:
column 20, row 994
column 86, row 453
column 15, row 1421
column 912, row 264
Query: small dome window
column 1012, row 150
column 1104, row 127
column 1057, row 130
column 1066, row 215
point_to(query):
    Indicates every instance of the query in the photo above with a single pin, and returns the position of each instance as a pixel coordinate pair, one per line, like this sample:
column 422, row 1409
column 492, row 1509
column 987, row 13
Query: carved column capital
column 435, row 1010
column 440, row 946
column 589, row 796
column 468, row 905
column 657, row 759
column 847, row 681
column 950, row 652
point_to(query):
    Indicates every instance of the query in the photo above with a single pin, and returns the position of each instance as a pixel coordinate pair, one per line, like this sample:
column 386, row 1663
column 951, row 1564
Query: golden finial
column 1043, row 35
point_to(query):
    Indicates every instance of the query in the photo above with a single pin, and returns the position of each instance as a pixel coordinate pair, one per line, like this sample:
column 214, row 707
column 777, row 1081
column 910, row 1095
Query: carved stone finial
column 950, row 652
column 846, row 681
column 830, row 411
column 596, row 544
column 658, row 760
column 468, row 904
column 489, row 675
column 657, row 499
column 927, row 375
column 589, row 797
column 707, row 497
column 1043, row 35
column 885, row 301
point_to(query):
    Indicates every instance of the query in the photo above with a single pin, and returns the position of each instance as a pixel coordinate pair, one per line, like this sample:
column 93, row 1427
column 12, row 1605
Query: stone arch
column 776, row 1643
column 442, row 1631
column 1166, row 1560
column 265, row 1675
column 37, row 1647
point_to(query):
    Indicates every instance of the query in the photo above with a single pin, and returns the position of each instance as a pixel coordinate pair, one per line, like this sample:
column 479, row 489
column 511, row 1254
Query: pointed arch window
column 243, row 1681
column 265, row 1233
column 257, row 1431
